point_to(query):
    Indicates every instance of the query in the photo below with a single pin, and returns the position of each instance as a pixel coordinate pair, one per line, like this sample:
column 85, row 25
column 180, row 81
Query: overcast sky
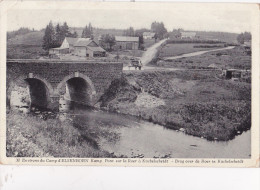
column 188, row 19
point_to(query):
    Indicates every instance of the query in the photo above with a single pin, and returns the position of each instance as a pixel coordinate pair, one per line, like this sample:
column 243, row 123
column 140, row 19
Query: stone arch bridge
column 45, row 83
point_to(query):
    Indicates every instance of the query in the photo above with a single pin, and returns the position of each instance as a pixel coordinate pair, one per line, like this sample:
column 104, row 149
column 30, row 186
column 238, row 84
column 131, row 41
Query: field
column 236, row 58
column 197, row 102
column 27, row 46
column 170, row 50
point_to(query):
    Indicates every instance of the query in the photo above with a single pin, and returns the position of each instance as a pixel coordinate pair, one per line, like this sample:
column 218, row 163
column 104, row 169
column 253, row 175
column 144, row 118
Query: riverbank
column 195, row 102
column 31, row 136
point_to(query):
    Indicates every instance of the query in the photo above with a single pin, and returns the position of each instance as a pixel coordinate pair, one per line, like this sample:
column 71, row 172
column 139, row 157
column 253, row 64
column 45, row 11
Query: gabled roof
column 127, row 39
column 83, row 42
column 73, row 41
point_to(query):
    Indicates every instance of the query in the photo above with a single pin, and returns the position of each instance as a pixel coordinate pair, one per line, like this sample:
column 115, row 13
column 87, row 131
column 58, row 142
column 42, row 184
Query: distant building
column 88, row 48
column 80, row 47
column 127, row 42
column 148, row 35
column 188, row 35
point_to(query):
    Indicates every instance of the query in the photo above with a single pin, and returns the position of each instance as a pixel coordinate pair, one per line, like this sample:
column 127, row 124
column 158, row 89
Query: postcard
column 129, row 84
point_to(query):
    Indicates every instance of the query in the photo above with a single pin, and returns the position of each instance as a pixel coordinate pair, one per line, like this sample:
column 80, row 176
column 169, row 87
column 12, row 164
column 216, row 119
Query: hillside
column 32, row 39
column 98, row 31
column 222, row 36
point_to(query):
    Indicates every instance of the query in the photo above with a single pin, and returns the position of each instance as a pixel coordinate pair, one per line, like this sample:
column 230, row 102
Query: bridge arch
column 77, row 87
column 36, row 90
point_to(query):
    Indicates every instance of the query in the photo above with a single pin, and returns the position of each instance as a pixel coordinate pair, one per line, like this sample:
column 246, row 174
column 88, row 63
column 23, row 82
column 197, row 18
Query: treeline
column 54, row 35
column 20, row 31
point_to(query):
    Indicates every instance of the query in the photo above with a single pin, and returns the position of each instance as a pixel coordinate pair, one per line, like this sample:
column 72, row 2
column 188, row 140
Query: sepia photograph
column 154, row 81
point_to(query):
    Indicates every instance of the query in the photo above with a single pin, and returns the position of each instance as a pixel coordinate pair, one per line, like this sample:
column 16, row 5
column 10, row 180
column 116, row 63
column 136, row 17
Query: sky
column 200, row 19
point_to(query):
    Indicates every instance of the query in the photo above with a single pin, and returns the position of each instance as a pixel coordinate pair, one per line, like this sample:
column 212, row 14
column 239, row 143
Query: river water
column 131, row 137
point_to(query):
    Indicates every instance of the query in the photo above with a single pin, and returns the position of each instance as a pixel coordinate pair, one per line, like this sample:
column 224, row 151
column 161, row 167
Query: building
column 66, row 47
column 80, row 47
column 127, row 42
column 85, row 47
column 148, row 35
column 188, row 35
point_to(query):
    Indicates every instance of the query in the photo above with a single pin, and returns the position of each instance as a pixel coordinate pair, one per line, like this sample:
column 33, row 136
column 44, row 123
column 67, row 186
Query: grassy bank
column 30, row 136
column 178, row 49
column 196, row 102
column 236, row 58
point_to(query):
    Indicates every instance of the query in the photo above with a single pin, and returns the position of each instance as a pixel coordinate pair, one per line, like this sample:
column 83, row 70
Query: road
column 149, row 54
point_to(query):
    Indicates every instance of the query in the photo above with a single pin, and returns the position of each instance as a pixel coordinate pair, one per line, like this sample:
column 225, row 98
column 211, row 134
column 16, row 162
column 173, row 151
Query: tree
column 108, row 41
column 87, row 32
column 246, row 36
column 49, row 37
column 139, row 33
column 59, row 37
column 65, row 32
column 159, row 29
column 129, row 32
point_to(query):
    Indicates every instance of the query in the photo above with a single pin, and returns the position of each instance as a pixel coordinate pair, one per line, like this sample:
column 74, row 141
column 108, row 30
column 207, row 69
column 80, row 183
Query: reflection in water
column 125, row 135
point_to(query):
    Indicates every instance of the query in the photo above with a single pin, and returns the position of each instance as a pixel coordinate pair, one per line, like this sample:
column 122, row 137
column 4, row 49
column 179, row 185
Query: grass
column 196, row 101
column 30, row 136
column 237, row 58
column 26, row 46
column 170, row 50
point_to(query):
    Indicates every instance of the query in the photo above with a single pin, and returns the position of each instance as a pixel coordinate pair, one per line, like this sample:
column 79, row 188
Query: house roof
column 126, row 39
column 73, row 41
column 59, row 48
column 83, row 42
column 96, row 49
column 149, row 34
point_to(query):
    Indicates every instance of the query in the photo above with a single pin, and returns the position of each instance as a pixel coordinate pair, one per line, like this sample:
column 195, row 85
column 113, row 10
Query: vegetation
column 20, row 31
column 178, row 49
column 54, row 36
column 197, row 102
column 159, row 29
column 30, row 136
column 236, row 58
column 87, row 32
column 243, row 37
column 108, row 41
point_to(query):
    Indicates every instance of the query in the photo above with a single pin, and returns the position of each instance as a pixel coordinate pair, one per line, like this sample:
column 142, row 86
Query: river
column 131, row 137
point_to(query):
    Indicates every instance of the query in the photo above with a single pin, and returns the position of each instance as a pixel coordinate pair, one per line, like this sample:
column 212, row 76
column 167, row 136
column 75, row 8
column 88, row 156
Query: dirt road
column 149, row 54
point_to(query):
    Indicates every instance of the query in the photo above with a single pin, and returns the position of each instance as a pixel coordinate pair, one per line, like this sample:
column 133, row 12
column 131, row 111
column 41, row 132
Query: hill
column 222, row 36
column 98, row 31
column 26, row 46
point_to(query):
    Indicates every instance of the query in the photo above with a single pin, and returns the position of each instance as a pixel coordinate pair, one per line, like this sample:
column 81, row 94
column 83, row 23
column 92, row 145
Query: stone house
column 88, row 48
column 127, row 42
